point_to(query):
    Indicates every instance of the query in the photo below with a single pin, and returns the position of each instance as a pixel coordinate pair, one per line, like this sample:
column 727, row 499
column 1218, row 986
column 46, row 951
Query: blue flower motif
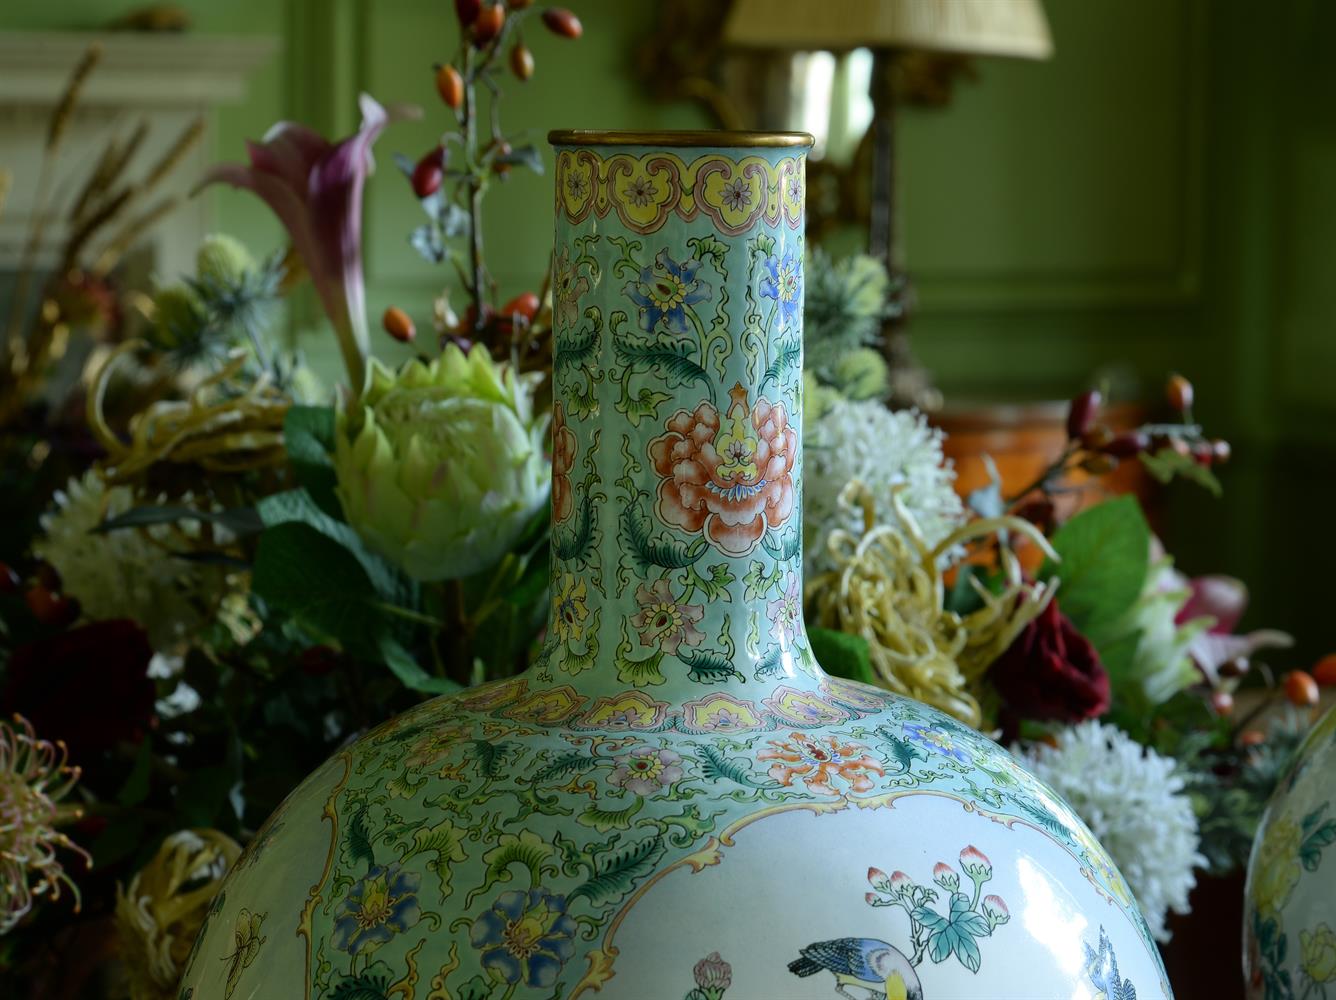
column 525, row 937
column 664, row 291
column 938, row 739
column 783, row 282
column 381, row 905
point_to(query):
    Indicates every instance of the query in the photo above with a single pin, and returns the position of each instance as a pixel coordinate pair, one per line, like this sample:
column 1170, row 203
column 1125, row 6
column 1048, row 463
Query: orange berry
column 1179, row 393
column 525, row 304
column 398, row 324
column 50, row 608
column 1324, row 672
column 450, row 85
column 562, row 22
column 1300, row 688
column 1252, row 738
column 1222, row 702
column 521, row 61
column 488, row 24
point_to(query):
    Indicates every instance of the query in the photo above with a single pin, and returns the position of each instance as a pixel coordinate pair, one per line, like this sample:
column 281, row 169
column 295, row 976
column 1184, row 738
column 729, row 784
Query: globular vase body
column 675, row 801
column 1289, row 914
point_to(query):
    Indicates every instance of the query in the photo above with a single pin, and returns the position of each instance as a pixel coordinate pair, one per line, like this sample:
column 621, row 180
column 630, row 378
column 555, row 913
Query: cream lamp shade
column 973, row 27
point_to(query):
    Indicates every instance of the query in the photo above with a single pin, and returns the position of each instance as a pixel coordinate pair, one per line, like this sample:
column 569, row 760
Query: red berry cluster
column 1105, row 449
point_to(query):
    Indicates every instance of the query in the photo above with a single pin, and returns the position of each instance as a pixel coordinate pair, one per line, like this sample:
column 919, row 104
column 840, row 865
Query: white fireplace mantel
column 166, row 80
column 142, row 69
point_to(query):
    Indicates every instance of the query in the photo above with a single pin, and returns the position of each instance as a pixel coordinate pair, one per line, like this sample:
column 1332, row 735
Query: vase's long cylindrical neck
column 677, row 467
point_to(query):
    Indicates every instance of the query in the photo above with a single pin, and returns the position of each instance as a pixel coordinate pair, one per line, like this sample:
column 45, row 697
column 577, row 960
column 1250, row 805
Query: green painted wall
column 1161, row 194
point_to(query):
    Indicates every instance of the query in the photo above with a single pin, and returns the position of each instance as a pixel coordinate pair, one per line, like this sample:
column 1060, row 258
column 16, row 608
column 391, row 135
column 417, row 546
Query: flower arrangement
column 1031, row 627
column 250, row 566
column 255, row 569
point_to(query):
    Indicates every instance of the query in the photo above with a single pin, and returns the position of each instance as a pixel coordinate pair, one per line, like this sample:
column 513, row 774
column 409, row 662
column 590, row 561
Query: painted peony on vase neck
column 675, row 801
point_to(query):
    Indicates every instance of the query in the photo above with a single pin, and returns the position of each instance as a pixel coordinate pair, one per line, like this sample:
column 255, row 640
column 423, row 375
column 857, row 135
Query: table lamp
column 1015, row 28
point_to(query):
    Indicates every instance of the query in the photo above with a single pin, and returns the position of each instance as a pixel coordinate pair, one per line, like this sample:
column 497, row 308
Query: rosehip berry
column 9, row 580
column 1300, row 688
column 1203, row 453
column 562, row 22
column 1128, row 444
column 1082, row 412
column 1324, row 672
column 1236, row 667
column 467, row 11
column 521, row 61
column 50, row 608
column 1179, row 393
column 427, row 175
column 450, row 85
column 1222, row 702
column 499, row 164
column 398, row 324
column 1221, row 451
column 488, row 24
column 1180, row 446
column 525, row 304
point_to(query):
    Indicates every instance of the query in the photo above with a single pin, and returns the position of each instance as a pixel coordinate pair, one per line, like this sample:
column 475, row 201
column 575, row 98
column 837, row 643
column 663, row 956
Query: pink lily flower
column 1223, row 599
column 315, row 187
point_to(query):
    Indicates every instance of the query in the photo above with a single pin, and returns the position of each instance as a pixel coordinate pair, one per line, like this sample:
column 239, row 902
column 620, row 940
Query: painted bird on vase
column 872, row 965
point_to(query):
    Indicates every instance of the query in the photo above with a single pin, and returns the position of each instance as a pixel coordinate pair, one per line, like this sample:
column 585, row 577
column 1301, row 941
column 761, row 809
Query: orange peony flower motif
column 730, row 477
column 563, row 460
column 818, row 760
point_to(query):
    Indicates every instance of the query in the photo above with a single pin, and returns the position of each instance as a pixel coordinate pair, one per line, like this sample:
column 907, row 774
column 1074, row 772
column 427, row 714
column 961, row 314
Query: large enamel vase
column 1289, row 932
column 675, row 801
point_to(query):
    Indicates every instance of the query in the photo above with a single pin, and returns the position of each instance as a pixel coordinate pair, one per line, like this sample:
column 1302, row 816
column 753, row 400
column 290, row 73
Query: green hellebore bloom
column 440, row 466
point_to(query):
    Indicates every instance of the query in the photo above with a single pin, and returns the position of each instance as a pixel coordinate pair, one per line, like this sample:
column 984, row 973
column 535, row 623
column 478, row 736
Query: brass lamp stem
column 911, row 384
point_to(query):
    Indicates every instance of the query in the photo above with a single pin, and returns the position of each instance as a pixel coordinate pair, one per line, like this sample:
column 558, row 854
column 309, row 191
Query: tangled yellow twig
column 887, row 586
column 220, row 427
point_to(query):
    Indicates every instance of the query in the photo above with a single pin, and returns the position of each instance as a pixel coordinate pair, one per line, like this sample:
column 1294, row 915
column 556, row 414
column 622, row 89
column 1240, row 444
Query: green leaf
column 240, row 521
column 1167, row 463
column 1105, row 558
column 308, row 435
column 646, row 550
column 526, row 849
column 705, row 666
column 967, row 949
column 298, row 507
column 616, row 872
column 562, row 767
column 604, row 820
column 357, row 844
column 667, row 361
column 842, row 655
column 446, row 841
column 410, row 672
column 788, row 357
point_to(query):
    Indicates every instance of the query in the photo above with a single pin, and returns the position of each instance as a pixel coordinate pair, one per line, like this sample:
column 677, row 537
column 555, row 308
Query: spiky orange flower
column 34, row 777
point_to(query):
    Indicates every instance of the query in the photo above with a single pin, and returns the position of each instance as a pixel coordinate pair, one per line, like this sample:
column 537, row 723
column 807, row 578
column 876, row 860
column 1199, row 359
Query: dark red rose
column 88, row 686
column 1052, row 672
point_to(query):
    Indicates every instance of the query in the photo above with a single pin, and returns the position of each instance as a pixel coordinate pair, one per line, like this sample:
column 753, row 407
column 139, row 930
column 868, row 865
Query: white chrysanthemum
column 129, row 573
column 1133, row 801
column 882, row 449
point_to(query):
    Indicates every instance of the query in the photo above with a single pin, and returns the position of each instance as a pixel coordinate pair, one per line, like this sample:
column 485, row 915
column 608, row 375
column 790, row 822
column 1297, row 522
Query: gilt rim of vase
column 703, row 138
